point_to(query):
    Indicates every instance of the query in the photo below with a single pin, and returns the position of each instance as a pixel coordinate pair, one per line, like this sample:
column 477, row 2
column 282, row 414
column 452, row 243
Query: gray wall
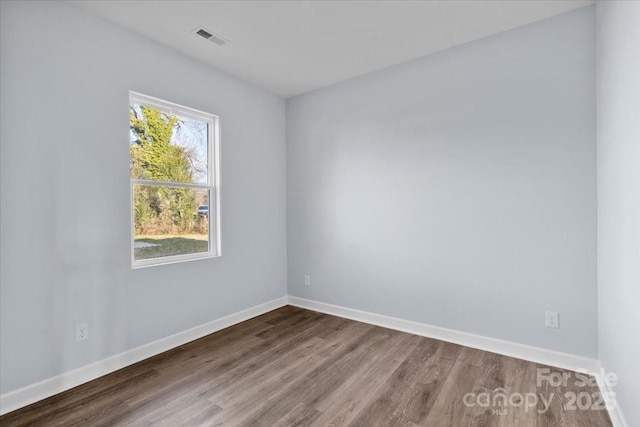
column 65, row 242
column 458, row 189
column 618, row 76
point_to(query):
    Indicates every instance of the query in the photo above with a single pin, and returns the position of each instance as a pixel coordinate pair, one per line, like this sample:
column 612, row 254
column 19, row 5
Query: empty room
column 320, row 213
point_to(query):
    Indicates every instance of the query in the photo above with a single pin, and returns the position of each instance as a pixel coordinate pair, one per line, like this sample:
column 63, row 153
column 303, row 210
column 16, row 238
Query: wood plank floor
column 298, row 367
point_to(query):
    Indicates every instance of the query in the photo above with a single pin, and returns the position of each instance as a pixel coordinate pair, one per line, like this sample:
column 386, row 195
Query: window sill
column 150, row 262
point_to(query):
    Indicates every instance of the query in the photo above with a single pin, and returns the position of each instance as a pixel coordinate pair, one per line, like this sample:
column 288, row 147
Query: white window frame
column 212, row 185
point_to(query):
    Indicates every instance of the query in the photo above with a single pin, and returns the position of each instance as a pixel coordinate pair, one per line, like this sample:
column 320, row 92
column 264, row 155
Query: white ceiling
column 291, row 47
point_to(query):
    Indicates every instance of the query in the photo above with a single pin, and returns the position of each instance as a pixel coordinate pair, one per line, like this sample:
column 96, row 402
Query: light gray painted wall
column 65, row 79
column 618, row 77
column 458, row 189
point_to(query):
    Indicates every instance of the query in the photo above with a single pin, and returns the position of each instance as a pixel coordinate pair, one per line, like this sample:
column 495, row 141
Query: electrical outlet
column 551, row 319
column 307, row 280
column 82, row 332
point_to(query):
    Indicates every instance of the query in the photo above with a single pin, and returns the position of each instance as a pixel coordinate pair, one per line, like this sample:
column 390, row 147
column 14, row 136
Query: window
column 174, row 182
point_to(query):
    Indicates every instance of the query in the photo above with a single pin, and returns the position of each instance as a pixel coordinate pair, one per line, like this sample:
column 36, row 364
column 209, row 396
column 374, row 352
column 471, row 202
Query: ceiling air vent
column 204, row 34
column 211, row 36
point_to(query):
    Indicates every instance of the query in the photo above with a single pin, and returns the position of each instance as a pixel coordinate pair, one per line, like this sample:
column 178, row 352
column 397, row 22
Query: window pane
column 169, row 221
column 167, row 147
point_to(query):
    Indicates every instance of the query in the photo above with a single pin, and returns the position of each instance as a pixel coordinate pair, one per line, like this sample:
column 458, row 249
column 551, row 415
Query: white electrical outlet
column 551, row 319
column 82, row 332
column 307, row 280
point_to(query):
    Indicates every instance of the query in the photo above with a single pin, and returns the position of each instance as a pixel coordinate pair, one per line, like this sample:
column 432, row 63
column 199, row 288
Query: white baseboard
column 507, row 348
column 41, row 390
column 615, row 412
column 32, row 393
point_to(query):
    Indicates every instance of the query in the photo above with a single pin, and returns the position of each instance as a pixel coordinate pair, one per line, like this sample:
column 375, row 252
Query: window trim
column 212, row 185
